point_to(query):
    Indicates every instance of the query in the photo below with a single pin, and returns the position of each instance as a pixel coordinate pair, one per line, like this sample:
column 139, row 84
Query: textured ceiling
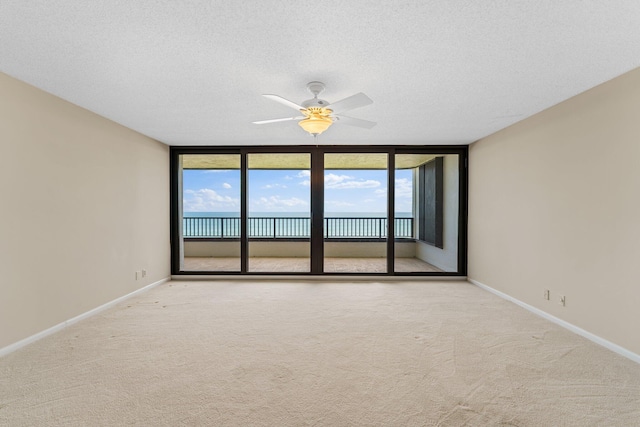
column 439, row 72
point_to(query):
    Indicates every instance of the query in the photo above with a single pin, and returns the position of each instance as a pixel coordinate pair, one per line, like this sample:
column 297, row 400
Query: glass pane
column 355, row 213
column 279, row 224
column 426, row 217
column 210, row 212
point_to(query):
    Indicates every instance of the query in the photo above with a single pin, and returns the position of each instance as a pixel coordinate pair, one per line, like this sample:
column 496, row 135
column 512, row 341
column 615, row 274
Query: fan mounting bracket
column 316, row 88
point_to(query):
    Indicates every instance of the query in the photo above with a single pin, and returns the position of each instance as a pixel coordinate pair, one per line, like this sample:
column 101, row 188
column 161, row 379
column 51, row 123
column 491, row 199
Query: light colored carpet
column 317, row 354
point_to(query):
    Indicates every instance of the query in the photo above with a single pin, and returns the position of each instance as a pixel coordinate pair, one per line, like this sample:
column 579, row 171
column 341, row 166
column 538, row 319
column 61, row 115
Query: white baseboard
column 573, row 328
column 33, row 338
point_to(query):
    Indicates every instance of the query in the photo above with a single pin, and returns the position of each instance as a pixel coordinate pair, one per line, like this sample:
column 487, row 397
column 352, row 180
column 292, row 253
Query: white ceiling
column 439, row 71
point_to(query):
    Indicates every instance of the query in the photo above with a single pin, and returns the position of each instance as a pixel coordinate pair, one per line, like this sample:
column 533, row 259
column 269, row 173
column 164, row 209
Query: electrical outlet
column 562, row 301
column 144, row 273
column 547, row 294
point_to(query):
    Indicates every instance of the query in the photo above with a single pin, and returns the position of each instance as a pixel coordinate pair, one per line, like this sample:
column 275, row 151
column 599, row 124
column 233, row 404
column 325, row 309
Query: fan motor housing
column 315, row 102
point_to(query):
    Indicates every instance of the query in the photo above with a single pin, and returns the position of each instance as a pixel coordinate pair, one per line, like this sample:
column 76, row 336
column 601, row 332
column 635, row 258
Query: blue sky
column 289, row 191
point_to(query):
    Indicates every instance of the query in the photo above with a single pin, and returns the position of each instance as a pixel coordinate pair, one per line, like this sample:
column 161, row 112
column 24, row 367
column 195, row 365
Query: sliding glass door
column 278, row 207
column 355, row 212
column 427, row 208
column 210, row 225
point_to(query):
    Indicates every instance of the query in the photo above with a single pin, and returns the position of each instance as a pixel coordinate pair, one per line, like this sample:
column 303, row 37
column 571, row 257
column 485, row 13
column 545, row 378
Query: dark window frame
column 317, row 156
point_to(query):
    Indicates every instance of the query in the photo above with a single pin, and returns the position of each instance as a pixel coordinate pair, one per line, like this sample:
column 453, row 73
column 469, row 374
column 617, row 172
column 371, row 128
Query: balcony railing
column 295, row 227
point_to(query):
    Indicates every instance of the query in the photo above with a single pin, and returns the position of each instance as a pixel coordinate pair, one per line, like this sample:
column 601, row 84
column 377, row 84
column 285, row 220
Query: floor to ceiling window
column 319, row 210
column 355, row 212
column 427, row 191
column 210, row 210
column 278, row 209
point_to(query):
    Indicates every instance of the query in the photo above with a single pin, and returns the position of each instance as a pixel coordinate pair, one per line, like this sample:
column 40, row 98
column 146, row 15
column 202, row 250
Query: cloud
column 226, row 185
column 268, row 186
column 369, row 183
column 331, row 179
column 346, row 182
column 276, row 203
column 338, row 204
column 304, row 174
column 208, row 200
column 404, row 188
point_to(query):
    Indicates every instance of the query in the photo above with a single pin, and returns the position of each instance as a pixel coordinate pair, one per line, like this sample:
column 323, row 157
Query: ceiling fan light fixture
column 315, row 125
column 318, row 120
column 318, row 114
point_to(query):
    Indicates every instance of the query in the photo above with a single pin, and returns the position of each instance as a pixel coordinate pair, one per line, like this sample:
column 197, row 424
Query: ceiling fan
column 319, row 114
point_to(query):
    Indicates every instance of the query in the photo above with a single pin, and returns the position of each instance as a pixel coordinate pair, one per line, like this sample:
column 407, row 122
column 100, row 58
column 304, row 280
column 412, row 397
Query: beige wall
column 554, row 203
column 85, row 203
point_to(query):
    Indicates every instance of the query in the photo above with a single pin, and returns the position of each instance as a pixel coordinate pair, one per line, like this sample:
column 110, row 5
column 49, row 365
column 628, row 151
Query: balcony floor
column 301, row 265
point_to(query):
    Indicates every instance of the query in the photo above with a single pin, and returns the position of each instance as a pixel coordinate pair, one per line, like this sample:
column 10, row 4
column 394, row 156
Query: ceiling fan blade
column 354, row 101
column 283, row 101
column 354, row 122
column 262, row 122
